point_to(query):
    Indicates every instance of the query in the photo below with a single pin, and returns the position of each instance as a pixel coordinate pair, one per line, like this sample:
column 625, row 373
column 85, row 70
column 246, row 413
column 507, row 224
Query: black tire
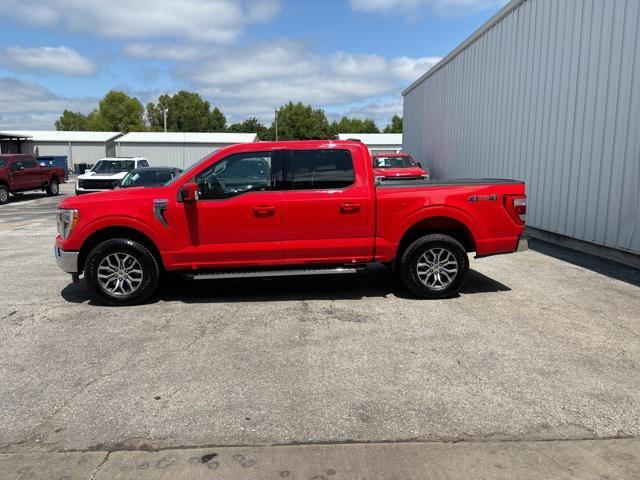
column 431, row 245
column 53, row 188
column 123, row 246
column 4, row 194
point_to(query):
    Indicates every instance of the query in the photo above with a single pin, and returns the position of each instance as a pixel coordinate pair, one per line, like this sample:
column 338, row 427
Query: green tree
column 395, row 126
column 117, row 112
column 186, row 112
column 71, row 121
column 302, row 122
column 250, row 125
column 354, row 125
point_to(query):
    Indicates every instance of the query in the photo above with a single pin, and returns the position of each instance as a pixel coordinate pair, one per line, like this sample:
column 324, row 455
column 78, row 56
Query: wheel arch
column 443, row 224
column 108, row 233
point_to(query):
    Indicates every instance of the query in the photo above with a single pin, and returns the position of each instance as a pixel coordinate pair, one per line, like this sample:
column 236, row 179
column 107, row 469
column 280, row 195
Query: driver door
column 18, row 174
column 237, row 219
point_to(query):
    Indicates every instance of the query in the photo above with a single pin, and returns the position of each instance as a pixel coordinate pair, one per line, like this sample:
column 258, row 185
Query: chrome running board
column 271, row 273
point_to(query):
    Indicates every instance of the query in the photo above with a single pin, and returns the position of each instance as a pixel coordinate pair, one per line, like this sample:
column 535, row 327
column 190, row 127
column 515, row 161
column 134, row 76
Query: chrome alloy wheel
column 4, row 195
column 120, row 274
column 437, row 268
column 55, row 188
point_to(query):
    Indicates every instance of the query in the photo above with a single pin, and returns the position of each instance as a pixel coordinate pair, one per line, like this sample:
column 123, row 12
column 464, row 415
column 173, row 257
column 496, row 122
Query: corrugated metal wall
column 79, row 152
column 167, row 154
column 551, row 95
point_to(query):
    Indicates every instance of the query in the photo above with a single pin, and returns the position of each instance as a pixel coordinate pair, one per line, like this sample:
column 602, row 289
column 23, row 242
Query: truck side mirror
column 188, row 192
column 419, row 165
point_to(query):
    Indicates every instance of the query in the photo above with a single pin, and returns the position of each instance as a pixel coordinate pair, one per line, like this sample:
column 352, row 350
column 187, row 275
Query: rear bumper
column 523, row 245
column 67, row 261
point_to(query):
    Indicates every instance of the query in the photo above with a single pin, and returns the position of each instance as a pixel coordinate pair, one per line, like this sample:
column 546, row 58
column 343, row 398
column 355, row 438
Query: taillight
column 517, row 207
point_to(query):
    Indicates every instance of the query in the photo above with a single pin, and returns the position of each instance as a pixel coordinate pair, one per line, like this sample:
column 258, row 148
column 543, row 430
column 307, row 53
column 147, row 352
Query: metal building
column 79, row 147
column 377, row 142
column 176, row 149
column 547, row 91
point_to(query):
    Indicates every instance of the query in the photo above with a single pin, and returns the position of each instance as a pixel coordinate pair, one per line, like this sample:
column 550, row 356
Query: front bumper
column 67, row 261
column 523, row 245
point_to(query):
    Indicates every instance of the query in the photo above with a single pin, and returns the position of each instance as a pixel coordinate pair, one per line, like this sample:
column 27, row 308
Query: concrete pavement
column 594, row 459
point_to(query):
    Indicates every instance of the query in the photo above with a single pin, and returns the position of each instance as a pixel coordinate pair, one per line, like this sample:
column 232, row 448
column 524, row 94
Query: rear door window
column 320, row 169
column 30, row 163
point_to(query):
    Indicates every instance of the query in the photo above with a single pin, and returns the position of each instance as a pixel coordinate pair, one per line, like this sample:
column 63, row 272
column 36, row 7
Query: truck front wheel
column 434, row 266
column 122, row 272
column 53, row 188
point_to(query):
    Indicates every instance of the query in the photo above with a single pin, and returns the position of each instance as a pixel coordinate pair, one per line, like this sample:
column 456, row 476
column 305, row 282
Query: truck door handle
column 265, row 211
column 349, row 207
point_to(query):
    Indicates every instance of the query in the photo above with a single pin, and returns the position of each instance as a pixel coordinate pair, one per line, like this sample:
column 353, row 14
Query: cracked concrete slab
column 555, row 460
column 49, row 466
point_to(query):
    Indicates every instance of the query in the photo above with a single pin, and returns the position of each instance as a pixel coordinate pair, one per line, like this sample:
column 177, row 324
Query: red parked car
column 21, row 172
column 397, row 165
column 286, row 208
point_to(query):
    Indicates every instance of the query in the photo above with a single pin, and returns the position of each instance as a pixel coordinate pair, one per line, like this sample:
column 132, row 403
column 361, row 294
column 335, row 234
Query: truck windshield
column 146, row 178
column 113, row 166
column 394, row 162
column 3, row 162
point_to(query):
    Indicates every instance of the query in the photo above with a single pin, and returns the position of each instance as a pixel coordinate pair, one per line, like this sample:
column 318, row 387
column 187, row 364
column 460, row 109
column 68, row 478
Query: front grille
column 98, row 184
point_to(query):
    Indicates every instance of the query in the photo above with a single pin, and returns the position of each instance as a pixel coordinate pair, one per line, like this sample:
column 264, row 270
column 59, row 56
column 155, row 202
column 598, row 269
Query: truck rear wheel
column 122, row 272
column 4, row 194
column 53, row 188
column 434, row 266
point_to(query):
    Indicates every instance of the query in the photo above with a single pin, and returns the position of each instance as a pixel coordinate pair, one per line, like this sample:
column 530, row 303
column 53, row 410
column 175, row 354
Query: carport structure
column 11, row 142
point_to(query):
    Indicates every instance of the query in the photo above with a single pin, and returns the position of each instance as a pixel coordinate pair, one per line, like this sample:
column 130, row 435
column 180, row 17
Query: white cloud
column 165, row 51
column 276, row 72
column 217, row 21
column 62, row 60
column 442, row 7
column 25, row 105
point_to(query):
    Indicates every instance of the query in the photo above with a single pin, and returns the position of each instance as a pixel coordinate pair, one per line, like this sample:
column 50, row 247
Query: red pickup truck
column 397, row 166
column 21, row 172
column 286, row 208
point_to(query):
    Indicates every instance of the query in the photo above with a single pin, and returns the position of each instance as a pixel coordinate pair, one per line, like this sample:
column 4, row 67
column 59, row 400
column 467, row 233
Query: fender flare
column 121, row 221
column 433, row 211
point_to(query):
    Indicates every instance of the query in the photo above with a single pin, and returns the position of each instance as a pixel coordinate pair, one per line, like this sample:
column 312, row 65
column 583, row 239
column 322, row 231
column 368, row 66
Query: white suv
column 107, row 173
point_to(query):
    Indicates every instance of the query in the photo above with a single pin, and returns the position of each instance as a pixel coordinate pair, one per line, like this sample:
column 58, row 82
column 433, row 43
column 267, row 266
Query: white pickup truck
column 107, row 173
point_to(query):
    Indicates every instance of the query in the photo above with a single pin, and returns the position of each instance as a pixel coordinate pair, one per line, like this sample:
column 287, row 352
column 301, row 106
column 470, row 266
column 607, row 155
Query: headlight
column 66, row 221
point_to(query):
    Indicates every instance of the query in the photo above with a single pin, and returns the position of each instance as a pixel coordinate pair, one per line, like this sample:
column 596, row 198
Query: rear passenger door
column 327, row 209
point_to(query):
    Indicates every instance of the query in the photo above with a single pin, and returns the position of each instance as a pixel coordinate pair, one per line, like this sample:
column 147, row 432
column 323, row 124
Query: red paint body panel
column 356, row 224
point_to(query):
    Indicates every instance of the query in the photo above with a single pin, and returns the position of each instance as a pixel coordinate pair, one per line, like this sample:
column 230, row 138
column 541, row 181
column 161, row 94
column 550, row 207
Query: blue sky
column 245, row 56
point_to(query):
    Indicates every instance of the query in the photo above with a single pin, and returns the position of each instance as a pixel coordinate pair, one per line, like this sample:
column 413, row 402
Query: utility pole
column 164, row 114
column 275, row 110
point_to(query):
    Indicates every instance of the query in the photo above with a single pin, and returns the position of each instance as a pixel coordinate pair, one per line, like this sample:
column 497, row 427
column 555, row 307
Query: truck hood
column 132, row 194
column 102, row 176
column 399, row 172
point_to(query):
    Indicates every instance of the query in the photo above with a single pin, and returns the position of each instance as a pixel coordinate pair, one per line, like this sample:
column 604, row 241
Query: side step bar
column 271, row 273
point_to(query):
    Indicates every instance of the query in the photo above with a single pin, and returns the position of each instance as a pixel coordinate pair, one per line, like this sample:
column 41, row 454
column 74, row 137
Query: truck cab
column 107, row 173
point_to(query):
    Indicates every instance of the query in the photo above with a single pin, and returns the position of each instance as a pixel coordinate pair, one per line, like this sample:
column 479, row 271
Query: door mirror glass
column 189, row 192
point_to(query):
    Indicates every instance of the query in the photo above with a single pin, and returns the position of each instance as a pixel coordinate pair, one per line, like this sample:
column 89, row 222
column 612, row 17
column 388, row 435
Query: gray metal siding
column 167, row 154
column 550, row 95
column 76, row 152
